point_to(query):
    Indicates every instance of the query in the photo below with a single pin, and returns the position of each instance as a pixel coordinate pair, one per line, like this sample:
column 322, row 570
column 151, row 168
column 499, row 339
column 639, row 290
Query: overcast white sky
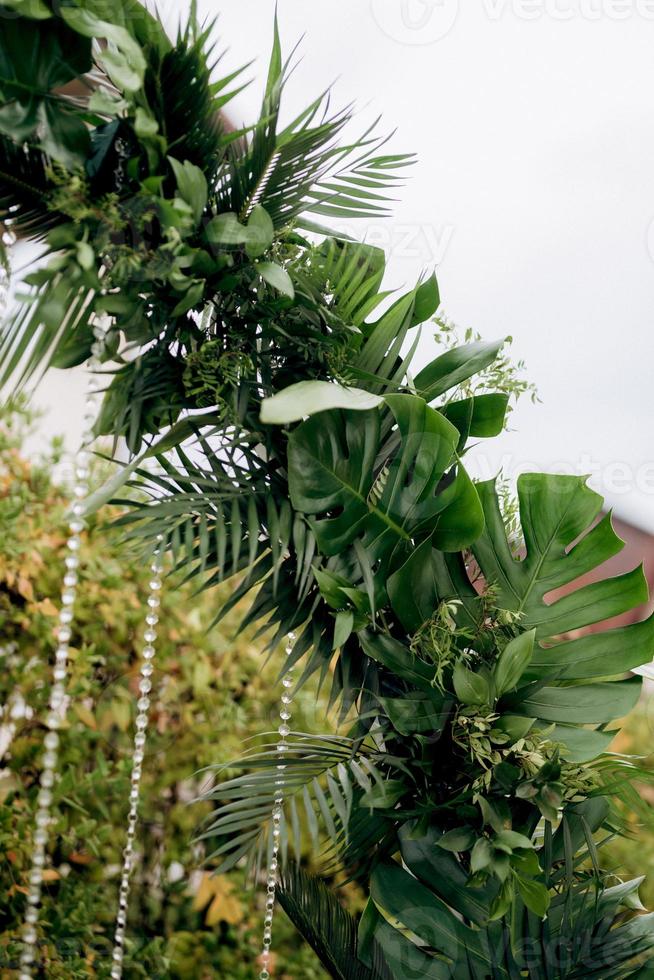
column 533, row 121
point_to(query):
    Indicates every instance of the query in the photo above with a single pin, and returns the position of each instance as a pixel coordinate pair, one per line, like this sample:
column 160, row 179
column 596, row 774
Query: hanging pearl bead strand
column 57, row 699
column 277, row 813
column 143, row 706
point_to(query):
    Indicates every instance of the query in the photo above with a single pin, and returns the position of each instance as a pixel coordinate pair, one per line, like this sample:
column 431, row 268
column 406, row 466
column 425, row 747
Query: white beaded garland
column 141, row 724
column 57, row 699
column 277, row 813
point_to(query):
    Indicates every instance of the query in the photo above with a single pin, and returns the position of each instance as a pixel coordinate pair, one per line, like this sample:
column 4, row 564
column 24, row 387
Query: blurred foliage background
column 213, row 693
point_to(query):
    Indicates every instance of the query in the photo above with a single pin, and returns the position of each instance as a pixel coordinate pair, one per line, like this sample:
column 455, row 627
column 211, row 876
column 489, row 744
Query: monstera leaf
column 563, row 543
column 390, row 494
column 37, row 57
column 429, row 919
column 555, row 511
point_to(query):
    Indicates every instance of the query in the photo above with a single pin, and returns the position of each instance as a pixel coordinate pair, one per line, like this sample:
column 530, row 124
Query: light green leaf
column 145, row 125
column 261, row 232
column 226, row 229
column 306, row 398
column 191, row 185
column 276, row 277
column 123, row 60
column 534, row 894
column 512, row 662
column 481, row 856
column 343, row 626
column 461, row 839
column 470, row 688
column 105, row 103
column 513, row 840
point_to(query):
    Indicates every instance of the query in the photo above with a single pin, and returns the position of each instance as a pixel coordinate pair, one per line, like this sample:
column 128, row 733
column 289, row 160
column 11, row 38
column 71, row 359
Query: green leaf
column 581, row 744
column 417, row 712
column 226, row 229
column 534, row 894
column 563, row 543
column 404, row 900
column 514, row 725
column 582, row 704
column 261, row 232
column 191, row 298
column 480, row 415
column 275, row 63
column 75, row 350
column 331, row 459
column 454, row 367
column 402, row 958
column 427, row 578
column 461, row 839
column 444, row 874
column 192, row 186
column 315, row 910
column 470, row 688
column 64, row 137
column 276, row 277
column 145, row 125
column 35, row 9
column 398, row 658
column 384, row 795
column 123, row 58
column 37, row 56
column 427, row 300
column 306, row 398
column 512, row 662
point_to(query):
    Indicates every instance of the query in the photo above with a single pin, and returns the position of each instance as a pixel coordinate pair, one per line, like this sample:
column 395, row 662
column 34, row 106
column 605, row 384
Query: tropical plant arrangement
column 260, row 376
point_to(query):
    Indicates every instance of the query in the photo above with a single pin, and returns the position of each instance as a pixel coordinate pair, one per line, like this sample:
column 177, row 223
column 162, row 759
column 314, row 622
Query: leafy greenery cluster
column 184, row 924
column 262, row 379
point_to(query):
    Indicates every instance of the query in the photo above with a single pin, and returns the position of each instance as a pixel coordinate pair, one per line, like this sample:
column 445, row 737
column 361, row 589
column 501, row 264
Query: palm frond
column 188, row 101
column 41, row 325
column 349, row 273
column 24, row 190
column 329, row 929
column 303, row 168
column 322, row 778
